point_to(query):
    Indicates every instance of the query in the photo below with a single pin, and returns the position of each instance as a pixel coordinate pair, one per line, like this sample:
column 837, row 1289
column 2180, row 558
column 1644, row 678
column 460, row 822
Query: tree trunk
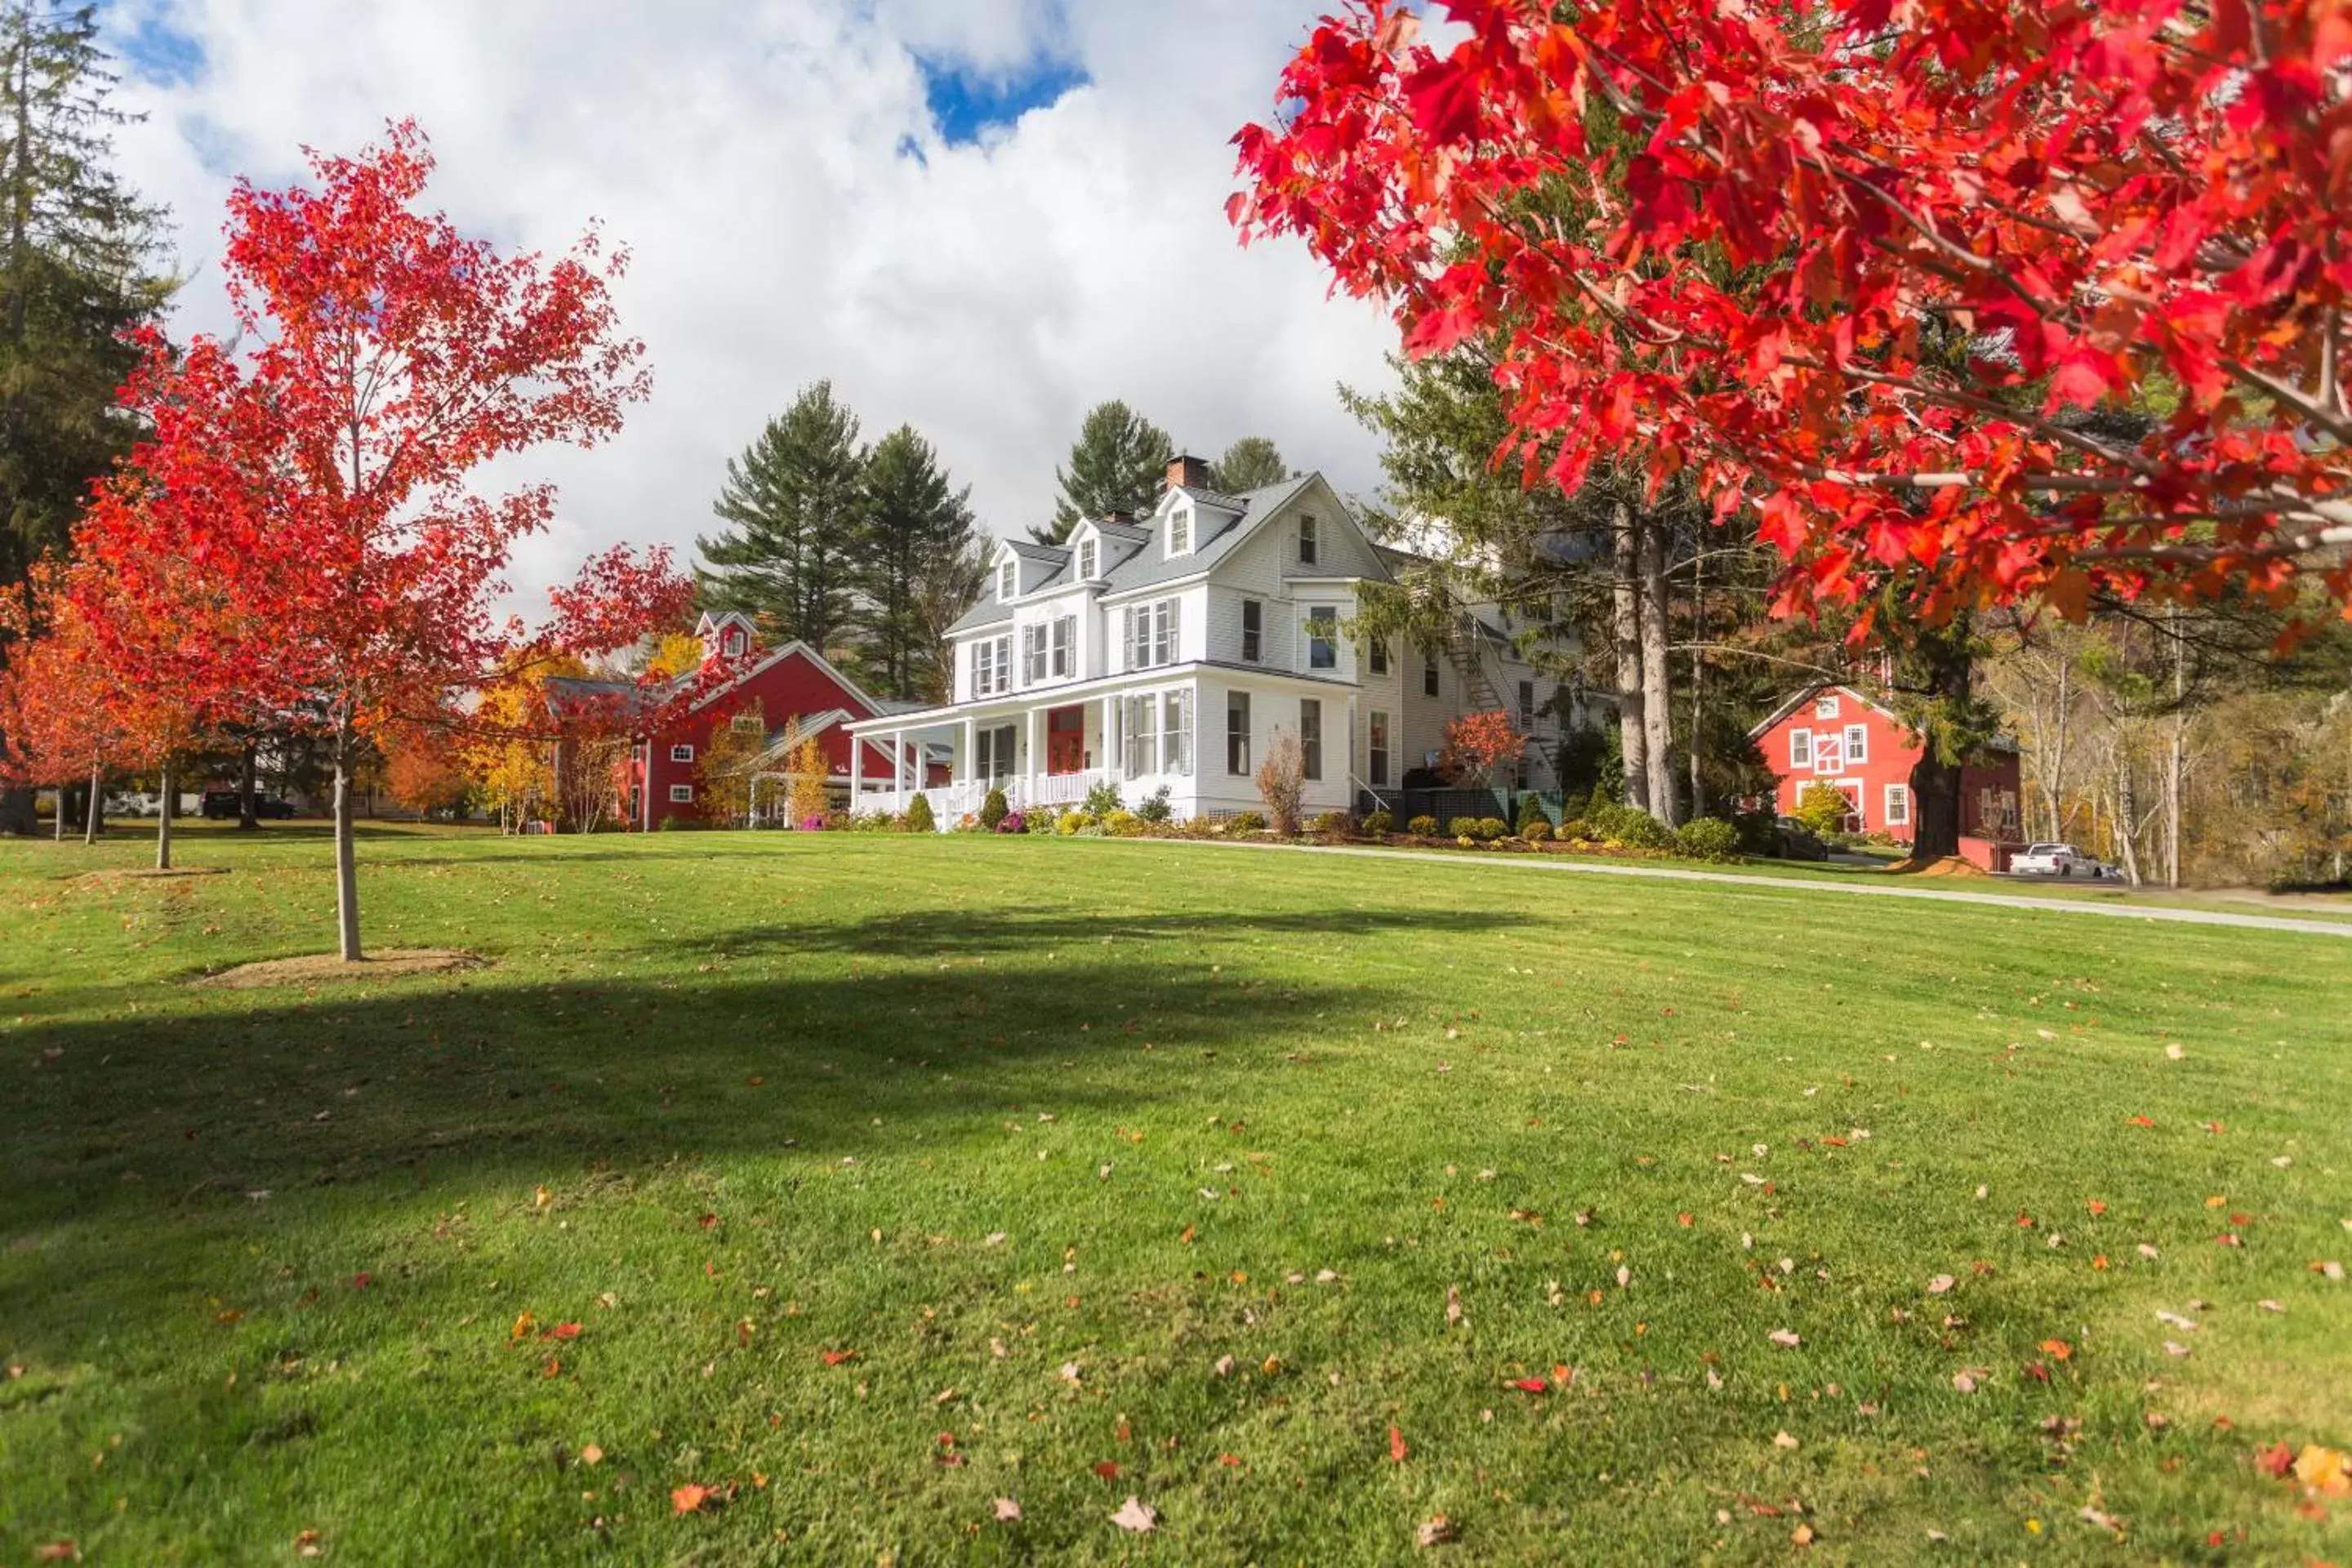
column 59, row 815
column 347, row 882
column 2127, row 821
column 248, row 813
column 18, row 813
column 1698, row 682
column 97, row 805
column 1624, row 593
column 166, row 799
column 2176, row 761
column 1657, row 684
column 1935, row 807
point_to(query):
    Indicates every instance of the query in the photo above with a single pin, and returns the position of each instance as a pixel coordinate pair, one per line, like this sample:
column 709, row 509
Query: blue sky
column 969, row 103
column 1056, row 238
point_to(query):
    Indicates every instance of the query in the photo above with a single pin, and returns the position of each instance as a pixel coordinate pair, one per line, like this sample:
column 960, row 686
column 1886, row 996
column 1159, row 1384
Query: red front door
column 1066, row 740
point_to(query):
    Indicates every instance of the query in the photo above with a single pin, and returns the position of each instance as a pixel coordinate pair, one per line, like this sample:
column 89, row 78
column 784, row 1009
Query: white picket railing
column 1022, row 793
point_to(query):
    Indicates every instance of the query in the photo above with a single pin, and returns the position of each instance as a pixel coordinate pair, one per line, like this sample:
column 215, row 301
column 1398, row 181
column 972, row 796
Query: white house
column 1165, row 652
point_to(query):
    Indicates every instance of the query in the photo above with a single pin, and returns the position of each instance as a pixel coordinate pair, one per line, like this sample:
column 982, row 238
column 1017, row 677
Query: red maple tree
column 312, row 475
column 1478, row 743
column 56, row 701
column 1993, row 298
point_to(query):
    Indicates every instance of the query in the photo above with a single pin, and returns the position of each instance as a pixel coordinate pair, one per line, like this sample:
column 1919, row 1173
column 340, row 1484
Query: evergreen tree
column 78, row 268
column 1251, row 463
column 912, row 517
column 797, row 500
column 1118, row 463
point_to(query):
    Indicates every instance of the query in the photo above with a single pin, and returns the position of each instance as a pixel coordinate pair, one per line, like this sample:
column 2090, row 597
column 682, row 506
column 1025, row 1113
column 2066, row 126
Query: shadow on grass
column 124, row 1121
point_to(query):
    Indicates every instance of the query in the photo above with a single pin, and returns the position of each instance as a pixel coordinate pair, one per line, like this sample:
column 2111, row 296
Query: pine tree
column 78, row 270
column 1251, row 463
column 1118, row 463
column 912, row 517
column 796, row 498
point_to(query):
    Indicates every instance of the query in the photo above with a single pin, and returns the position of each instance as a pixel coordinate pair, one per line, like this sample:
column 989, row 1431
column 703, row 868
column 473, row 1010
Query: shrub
column 872, row 822
column 672, row 821
column 994, row 810
column 1531, row 813
column 1491, row 828
column 1380, row 824
column 1423, row 828
column 1155, row 807
column 1331, row 824
column 1042, row 820
column 1575, row 828
column 811, row 824
column 1101, row 801
column 1246, row 822
column 1012, row 821
column 1632, row 827
column 919, row 816
column 1708, row 838
column 1824, row 808
column 1535, row 832
column 1758, row 831
column 1282, row 780
column 1462, row 827
column 1123, row 825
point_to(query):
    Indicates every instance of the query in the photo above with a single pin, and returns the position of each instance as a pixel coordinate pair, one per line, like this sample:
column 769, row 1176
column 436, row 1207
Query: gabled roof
column 1221, row 523
column 1805, row 694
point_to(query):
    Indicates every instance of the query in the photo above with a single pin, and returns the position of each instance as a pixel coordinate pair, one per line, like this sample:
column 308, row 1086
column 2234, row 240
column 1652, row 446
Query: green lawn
column 1045, row 1131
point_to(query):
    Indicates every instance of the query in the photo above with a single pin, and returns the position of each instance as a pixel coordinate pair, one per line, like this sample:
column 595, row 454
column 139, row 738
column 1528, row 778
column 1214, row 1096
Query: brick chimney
column 1188, row 471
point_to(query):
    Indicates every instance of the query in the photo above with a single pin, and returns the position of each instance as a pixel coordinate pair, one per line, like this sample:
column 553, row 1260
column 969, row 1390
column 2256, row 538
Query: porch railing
column 1023, row 792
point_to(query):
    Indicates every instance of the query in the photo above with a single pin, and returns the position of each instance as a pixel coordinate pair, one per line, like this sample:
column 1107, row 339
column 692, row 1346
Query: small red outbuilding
column 1838, row 736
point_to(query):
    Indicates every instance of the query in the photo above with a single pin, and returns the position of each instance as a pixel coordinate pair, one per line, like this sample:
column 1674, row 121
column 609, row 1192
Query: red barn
column 795, row 682
column 1835, row 735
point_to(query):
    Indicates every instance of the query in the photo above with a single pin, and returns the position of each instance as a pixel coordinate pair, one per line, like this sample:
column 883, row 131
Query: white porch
column 1043, row 755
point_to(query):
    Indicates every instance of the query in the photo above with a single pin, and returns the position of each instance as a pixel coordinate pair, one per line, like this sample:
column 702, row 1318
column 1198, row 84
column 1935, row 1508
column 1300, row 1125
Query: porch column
column 1111, row 738
column 857, row 770
column 1034, row 765
column 968, row 765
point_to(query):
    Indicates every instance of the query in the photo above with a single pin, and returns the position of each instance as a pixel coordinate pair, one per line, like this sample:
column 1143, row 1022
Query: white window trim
column 1247, row 655
column 1310, row 541
column 1897, row 806
column 1181, row 517
column 681, row 752
column 1307, row 640
column 1089, row 556
column 1801, row 748
column 1061, row 646
column 1857, row 745
column 681, row 794
column 1826, row 706
column 1008, row 580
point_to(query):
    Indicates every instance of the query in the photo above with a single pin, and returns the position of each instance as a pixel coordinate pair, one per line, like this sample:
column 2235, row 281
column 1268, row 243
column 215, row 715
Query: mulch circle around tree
column 390, row 963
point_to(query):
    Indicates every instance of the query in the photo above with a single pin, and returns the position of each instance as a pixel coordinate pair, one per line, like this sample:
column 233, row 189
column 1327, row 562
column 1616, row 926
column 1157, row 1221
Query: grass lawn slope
column 854, row 1183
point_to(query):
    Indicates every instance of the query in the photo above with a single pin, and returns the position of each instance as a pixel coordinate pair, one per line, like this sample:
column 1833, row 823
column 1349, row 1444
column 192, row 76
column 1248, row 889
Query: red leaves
column 1996, row 177
column 1397, row 1449
column 834, row 1358
column 690, row 1497
column 2276, row 1461
column 1530, row 1385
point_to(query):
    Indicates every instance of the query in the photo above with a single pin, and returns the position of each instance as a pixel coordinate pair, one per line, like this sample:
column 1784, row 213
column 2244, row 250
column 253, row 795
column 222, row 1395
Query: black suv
column 221, row 804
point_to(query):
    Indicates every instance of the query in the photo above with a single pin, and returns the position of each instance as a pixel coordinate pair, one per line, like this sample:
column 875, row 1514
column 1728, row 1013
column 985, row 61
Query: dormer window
column 1180, row 532
column 1008, row 581
column 1309, row 540
column 1087, row 551
column 735, row 642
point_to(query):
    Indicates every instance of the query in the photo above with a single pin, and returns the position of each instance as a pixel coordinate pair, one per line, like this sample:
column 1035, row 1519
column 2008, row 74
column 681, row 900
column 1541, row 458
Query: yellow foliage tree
column 727, row 764
column 806, row 798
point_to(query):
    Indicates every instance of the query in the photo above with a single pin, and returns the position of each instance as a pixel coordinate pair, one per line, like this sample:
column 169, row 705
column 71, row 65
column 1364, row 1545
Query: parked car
column 1799, row 842
column 2057, row 860
column 221, row 806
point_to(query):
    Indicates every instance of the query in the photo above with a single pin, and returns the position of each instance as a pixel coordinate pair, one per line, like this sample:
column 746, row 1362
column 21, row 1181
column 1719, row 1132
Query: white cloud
column 756, row 160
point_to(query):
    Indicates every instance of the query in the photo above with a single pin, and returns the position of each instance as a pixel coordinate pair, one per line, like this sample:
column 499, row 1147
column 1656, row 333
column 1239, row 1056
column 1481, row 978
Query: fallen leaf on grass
column 564, row 1331
column 1965, row 1381
column 57, row 1552
column 592, row 1456
column 1397, row 1449
column 688, row 1498
column 1007, row 1510
column 1529, row 1384
column 1802, row 1535
column 1106, row 1469
column 2057, row 1350
column 1783, row 1440
column 2276, row 1461
column 2327, row 1471
column 1452, row 1304
column 1435, row 1531
column 834, row 1358
column 2103, row 1521
column 2175, row 1320
column 1136, row 1515
column 1784, row 1337
column 1940, row 1283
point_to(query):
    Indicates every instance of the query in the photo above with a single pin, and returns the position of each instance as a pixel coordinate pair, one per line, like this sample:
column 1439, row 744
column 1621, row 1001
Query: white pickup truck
column 2055, row 861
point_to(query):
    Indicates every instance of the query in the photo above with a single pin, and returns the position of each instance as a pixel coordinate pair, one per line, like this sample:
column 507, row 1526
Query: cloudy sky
column 979, row 216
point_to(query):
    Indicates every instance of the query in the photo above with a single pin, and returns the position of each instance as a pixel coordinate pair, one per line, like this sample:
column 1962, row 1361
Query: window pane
column 1237, row 732
column 1310, row 736
column 1253, row 630
column 1322, row 638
